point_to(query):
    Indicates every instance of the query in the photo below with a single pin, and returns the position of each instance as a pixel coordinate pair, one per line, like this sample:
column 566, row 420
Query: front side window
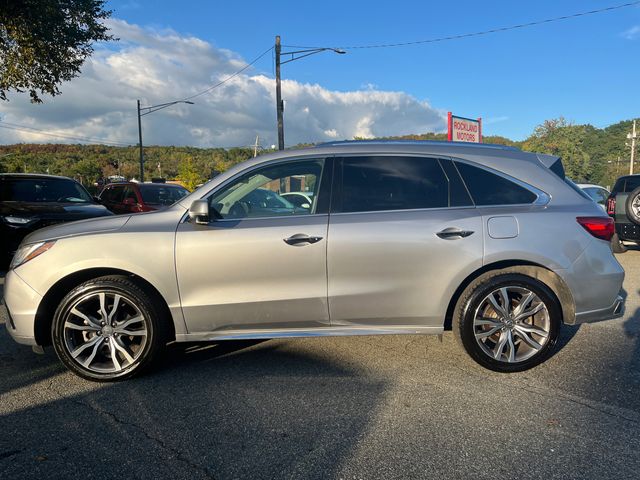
column 379, row 183
column 265, row 192
column 487, row 188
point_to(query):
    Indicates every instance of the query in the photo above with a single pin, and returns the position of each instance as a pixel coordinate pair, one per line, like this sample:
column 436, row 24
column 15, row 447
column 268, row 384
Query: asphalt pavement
column 349, row 408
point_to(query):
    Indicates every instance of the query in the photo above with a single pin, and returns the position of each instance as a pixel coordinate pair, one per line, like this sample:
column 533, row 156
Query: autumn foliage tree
column 45, row 42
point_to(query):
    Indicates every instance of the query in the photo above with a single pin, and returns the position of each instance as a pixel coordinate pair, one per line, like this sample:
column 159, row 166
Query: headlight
column 17, row 220
column 29, row 252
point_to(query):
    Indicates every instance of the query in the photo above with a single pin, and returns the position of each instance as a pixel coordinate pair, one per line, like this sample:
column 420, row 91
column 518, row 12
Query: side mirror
column 199, row 212
column 97, row 199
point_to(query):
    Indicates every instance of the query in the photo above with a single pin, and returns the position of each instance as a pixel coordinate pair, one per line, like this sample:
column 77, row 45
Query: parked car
column 140, row 197
column 623, row 205
column 30, row 201
column 401, row 238
column 299, row 199
column 597, row 193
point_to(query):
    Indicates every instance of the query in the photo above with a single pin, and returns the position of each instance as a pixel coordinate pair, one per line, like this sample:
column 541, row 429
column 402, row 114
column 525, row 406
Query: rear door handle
column 453, row 233
column 301, row 239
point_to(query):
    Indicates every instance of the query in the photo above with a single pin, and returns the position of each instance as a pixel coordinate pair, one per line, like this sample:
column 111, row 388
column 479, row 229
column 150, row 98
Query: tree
column 566, row 140
column 189, row 175
column 45, row 42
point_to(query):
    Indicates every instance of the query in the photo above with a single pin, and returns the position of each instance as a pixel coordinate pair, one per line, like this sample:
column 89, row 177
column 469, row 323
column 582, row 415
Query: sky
column 585, row 69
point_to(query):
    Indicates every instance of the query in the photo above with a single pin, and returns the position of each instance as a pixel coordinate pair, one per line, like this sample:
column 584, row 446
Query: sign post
column 461, row 129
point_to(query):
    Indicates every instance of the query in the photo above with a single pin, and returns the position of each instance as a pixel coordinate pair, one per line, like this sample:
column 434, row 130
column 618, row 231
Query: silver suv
column 397, row 238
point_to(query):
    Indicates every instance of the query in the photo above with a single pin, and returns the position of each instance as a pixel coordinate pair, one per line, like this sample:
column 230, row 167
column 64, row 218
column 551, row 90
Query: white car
column 597, row 193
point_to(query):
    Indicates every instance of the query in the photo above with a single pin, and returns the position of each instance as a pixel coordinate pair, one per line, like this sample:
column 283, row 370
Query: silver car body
column 373, row 272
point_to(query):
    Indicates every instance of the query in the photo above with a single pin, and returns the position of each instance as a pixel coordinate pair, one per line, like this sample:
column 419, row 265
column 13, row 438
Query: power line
column 483, row 32
column 222, row 82
column 24, row 128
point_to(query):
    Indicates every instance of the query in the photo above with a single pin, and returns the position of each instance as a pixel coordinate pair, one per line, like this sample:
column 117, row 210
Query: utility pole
column 279, row 104
column 255, row 147
column 632, row 136
column 140, row 145
column 295, row 55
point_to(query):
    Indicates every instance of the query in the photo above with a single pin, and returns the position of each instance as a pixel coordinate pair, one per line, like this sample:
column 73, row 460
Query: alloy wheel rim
column 635, row 206
column 105, row 332
column 511, row 324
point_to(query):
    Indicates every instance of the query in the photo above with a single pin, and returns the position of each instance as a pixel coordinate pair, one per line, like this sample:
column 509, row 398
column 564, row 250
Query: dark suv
column 140, row 197
column 624, row 206
column 32, row 201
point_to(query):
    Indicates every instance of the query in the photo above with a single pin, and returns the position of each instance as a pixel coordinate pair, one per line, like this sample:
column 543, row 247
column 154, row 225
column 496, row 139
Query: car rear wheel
column 508, row 322
column 616, row 244
column 108, row 329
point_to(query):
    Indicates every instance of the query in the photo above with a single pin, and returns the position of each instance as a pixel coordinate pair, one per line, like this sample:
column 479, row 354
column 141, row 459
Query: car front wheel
column 108, row 329
column 508, row 322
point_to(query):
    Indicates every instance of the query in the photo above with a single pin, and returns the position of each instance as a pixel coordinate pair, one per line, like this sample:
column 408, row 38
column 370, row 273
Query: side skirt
column 301, row 332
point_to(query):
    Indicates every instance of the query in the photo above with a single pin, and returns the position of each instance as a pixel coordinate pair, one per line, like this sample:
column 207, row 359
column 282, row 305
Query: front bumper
column 615, row 310
column 20, row 305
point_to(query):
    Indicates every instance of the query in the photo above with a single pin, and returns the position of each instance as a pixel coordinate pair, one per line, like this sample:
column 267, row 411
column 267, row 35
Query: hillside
column 590, row 155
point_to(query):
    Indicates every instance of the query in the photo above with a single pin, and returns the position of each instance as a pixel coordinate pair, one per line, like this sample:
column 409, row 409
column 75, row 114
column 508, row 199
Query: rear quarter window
column 487, row 188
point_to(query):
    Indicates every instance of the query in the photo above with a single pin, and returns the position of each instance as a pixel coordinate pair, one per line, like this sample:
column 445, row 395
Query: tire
column 616, row 244
column 632, row 206
column 507, row 343
column 101, row 349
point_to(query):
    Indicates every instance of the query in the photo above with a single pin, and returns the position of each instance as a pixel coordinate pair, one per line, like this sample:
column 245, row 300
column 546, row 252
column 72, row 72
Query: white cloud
column 158, row 66
column 632, row 33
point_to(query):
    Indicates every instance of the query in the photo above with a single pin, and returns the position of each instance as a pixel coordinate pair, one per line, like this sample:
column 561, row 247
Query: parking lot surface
column 354, row 407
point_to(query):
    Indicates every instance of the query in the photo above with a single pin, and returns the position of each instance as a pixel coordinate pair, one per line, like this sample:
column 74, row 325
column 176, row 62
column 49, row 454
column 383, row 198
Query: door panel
column 241, row 274
column 391, row 268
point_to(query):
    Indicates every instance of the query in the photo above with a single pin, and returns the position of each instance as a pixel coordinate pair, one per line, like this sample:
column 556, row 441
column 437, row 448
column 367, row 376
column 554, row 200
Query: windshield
column 58, row 190
column 162, row 194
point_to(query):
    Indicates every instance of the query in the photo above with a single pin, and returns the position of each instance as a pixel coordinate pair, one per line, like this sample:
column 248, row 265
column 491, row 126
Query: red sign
column 462, row 129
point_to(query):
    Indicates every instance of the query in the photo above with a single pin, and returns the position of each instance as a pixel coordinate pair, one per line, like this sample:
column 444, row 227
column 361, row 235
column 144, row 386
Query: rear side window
column 487, row 188
column 631, row 184
column 381, row 183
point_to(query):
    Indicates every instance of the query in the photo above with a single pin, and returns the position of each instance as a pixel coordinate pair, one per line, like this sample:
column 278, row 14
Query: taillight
column 611, row 205
column 599, row 227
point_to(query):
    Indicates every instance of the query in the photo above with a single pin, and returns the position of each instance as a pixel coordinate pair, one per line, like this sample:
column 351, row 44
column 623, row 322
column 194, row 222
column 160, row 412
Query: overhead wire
column 230, row 77
column 27, row 129
column 482, row 32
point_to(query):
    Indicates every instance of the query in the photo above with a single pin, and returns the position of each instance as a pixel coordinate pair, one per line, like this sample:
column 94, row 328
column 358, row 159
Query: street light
column 151, row 109
column 295, row 55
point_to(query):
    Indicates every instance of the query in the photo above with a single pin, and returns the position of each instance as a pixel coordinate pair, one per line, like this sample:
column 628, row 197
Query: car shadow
column 238, row 410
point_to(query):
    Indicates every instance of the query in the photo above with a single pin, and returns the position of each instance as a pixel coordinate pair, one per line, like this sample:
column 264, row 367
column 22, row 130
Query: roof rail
column 417, row 142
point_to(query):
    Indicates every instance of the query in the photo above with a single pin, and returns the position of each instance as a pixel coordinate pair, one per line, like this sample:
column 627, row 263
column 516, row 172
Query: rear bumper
column 628, row 231
column 615, row 310
column 595, row 281
column 20, row 305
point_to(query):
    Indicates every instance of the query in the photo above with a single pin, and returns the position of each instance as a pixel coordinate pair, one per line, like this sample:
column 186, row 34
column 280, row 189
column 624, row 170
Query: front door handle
column 453, row 233
column 301, row 239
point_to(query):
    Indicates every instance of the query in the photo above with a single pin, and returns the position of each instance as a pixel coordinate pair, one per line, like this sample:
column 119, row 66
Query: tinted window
column 618, row 186
column 116, row 193
column 392, row 183
column 487, row 188
column 161, row 194
column 43, row 190
column 632, row 183
column 130, row 194
column 259, row 193
column 558, row 169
